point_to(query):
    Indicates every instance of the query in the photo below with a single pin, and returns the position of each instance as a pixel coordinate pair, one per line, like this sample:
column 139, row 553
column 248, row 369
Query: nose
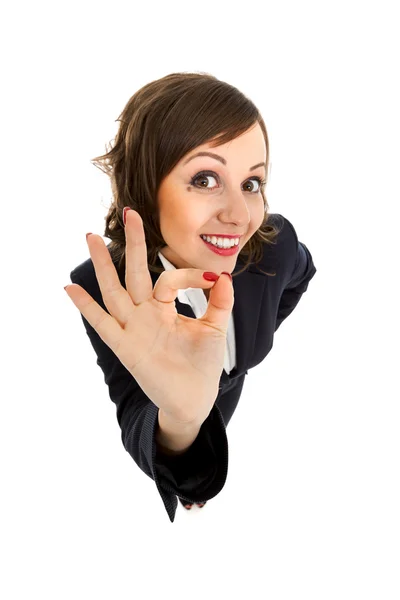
column 236, row 210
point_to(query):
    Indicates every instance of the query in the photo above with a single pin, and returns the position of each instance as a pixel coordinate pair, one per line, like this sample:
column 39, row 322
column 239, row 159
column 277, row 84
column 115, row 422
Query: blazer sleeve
column 197, row 475
column 303, row 271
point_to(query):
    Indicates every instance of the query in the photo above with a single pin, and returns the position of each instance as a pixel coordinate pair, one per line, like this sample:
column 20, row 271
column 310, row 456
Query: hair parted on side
column 160, row 124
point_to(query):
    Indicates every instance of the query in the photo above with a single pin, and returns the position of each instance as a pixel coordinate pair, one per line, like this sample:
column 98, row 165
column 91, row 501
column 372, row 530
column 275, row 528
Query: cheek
column 257, row 216
column 183, row 226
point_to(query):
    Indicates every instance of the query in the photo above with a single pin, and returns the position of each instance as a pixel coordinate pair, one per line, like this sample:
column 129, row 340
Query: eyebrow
column 221, row 159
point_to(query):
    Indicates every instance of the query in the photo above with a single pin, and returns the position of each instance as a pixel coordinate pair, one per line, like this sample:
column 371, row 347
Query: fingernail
column 227, row 274
column 124, row 213
column 210, row 276
column 87, row 235
column 65, row 288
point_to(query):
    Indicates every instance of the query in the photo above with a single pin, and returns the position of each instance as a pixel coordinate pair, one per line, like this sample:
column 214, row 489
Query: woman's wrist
column 175, row 438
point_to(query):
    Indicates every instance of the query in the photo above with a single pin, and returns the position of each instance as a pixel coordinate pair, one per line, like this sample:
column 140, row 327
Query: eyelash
column 261, row 182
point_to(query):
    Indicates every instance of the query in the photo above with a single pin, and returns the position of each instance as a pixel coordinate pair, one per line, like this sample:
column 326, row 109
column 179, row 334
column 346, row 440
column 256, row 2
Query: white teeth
column 221, row 242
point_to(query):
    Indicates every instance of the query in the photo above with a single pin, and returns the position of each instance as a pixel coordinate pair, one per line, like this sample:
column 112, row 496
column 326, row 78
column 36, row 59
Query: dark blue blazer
column 261, row 304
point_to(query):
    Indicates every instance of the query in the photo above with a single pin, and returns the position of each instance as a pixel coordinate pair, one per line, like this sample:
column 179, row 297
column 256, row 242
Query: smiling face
column 226, row 199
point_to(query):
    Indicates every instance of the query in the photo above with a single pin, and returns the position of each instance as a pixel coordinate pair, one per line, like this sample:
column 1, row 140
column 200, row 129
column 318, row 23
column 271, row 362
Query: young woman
column 197, row 278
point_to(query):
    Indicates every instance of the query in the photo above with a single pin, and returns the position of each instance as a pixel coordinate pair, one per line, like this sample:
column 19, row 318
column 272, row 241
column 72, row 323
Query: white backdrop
column 310, row 505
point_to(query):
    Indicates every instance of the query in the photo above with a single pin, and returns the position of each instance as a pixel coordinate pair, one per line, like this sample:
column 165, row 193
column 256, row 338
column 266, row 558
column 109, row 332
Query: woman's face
column 225, row 200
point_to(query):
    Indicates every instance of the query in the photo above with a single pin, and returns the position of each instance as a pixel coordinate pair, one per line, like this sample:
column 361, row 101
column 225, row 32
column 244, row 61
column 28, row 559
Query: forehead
column 250, row 144
column 253, row 137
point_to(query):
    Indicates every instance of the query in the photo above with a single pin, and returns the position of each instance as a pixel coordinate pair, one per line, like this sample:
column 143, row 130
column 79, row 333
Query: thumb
column 220, row 305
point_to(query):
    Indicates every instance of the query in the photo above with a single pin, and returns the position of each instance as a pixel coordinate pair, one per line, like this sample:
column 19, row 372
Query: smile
column 222, row 250
column 220, row 242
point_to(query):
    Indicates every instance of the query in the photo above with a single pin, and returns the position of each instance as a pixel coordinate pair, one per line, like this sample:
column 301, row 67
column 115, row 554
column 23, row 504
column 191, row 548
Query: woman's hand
column 176, row 360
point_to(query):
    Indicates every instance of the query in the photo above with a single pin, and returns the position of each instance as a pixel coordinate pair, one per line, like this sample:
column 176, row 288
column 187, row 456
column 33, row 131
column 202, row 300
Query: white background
column 310, row 508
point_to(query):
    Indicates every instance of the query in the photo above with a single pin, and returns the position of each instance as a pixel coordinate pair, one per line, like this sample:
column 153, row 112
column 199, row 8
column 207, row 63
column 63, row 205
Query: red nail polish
column 227, row 274
column 124, row 213
column 210, row 276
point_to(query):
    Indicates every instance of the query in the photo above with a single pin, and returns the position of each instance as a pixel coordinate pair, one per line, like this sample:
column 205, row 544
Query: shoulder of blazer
column 281, row 254
column 299, row 266
column 286, row 239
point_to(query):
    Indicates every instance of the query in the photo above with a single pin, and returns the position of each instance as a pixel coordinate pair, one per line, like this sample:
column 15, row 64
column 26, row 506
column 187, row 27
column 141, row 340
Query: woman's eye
column 258, row 182
column 202, row 178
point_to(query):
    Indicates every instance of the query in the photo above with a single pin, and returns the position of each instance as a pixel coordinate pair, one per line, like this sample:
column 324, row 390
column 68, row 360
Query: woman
column 188, row 170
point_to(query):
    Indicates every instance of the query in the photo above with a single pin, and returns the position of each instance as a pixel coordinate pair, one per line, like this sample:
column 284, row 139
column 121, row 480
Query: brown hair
column 160, row 124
